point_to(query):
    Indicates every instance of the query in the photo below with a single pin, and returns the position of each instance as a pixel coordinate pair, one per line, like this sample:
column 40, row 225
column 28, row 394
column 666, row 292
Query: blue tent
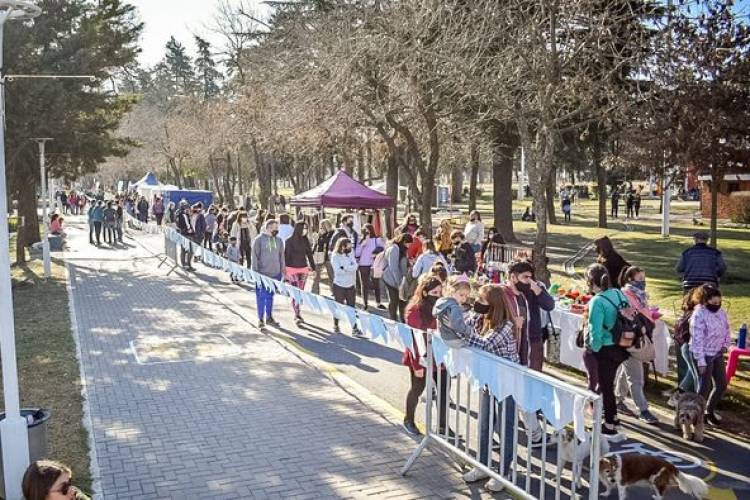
column 192, row 196
column 148, row 180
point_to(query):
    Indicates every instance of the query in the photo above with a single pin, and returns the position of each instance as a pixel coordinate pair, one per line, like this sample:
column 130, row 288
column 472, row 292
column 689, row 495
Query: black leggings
column 245, row 253
column 207, row 243
column 98, row 231
column 608, row 359
column 346, row 296
column 368, row 283
column 396, row 306
column 417, row 388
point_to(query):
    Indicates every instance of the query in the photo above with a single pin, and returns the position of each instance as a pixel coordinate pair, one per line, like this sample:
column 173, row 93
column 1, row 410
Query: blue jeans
column 264, row 300
column 689, row 382
column 484, row 427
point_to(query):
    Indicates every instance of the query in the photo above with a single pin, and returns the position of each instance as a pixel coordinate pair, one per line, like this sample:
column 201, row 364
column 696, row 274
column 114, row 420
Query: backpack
column 681, row 334
column 379, row 265
column 626, row 327
column 110, row 216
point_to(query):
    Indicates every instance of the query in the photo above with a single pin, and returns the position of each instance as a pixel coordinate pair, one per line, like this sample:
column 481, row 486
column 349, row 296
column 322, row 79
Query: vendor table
column 571, row 355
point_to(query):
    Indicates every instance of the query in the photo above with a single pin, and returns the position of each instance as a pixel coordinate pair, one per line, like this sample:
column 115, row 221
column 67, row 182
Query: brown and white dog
column 689, row 416
column 626, row 470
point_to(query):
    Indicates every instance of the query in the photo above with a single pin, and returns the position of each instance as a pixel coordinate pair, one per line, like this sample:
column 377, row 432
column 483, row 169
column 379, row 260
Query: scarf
column 641, row 294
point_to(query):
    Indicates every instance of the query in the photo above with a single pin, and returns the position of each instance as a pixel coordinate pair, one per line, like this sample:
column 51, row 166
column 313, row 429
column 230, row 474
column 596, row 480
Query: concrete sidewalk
column 188, row 400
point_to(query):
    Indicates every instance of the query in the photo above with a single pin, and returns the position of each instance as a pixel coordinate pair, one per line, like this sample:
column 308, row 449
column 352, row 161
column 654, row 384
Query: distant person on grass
column 700, row 264
column 268, row 260
column 48, row 480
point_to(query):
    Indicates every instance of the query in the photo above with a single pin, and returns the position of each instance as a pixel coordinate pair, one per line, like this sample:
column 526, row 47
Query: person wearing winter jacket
column 449, row 311
column 464, row 260
column 474, row 231
column 244, row 231
column 419, row 316
column 185, row 228
column 370, row 245
column 208, row 236
column 267, row 258
column 700, row 264
column 344, row 279
column 299, row 262
column 423, row 264
column 325, row 233
column 158, row 210
column 396, row 267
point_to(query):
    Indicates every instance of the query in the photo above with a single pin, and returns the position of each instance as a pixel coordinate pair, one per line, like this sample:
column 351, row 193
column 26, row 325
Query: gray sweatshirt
column 268, row 255
column 395, row 266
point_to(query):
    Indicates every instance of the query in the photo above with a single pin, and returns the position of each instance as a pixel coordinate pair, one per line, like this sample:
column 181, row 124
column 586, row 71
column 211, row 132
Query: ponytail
column 597, row 275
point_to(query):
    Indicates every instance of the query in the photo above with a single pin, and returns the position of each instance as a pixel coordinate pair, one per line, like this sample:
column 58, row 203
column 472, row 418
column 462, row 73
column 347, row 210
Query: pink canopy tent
column 341, row 191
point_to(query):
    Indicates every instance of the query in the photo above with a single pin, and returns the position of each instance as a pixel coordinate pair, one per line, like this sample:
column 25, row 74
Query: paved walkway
column 189, row 400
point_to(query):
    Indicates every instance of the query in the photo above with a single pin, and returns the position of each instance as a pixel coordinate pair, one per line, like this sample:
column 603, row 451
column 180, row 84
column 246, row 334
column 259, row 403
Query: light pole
column 43, row 179
column 13, row 429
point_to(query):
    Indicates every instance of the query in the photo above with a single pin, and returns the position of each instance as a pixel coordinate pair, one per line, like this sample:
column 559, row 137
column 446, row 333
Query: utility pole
column 13, row 428
column 521, row 175
column 43, row 179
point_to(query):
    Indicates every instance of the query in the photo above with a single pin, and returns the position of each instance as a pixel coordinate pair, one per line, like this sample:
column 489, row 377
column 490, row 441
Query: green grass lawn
column 48, row 369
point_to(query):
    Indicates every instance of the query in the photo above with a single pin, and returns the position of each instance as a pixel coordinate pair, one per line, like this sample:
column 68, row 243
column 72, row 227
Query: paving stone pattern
column 260, row 423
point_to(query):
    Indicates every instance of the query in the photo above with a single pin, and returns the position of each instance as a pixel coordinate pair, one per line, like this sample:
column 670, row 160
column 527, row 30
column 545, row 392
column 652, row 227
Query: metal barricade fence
column 459, row 417
column 505, row 254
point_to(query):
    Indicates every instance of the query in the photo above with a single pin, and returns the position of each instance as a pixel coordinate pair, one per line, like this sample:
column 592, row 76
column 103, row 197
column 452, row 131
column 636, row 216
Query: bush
column 741, row 207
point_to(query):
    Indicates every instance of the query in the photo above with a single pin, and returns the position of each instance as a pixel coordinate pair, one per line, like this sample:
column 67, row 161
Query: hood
column 443, row 304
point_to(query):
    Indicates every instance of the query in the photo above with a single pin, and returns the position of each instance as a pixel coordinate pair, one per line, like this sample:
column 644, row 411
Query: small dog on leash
column 576, row 452
column 688, row 418
column 622, row 471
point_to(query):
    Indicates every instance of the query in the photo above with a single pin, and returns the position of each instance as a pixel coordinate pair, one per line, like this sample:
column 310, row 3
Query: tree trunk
column 715, row 181
column 28, row 233
column 601, row 184
column 457, row 184
column 228, row 191
column 428, row 197
column 264, row 180
column 360, row 162
column 504, row 143
column 474, row 176
column 240, row 185
column 551, row 198
column 539, row 163
column 391, row 189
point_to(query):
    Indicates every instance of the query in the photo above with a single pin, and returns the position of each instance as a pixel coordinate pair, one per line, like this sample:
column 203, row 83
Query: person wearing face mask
column 267, row 259
column 419, row 316
column 371, row 245
column 345, row 230
column 491, row 330
column 245, row 233
column 412, row 224
column 449, row 311
column 299, row 262
column 710, row 338
column 474, row 231
column 396, row 266
column 600, row 343
column 464, row 260
column 344, row 279
column 630, row 375
column 527, row 298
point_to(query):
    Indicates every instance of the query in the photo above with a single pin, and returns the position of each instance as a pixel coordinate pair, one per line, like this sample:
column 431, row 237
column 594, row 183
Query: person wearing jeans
column 96, row 216
column 709, row 339
column 268, row 260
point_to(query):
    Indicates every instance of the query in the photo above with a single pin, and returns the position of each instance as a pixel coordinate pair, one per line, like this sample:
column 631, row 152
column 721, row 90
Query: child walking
column 233, row 254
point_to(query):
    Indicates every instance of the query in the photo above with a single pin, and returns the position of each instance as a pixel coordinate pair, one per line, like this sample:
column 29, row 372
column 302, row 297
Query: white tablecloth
column 570, row 355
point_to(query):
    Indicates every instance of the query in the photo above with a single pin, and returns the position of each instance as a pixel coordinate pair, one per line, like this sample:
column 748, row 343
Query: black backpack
column 681, row 333
column 627, row 326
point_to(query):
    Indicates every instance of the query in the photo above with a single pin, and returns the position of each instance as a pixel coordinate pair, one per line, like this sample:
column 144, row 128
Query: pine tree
column 179, row 67
column 205, row 66
column 75, row 37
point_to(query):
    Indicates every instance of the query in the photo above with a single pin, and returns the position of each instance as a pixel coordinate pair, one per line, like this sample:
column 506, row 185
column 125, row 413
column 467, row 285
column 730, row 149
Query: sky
column 181, row 19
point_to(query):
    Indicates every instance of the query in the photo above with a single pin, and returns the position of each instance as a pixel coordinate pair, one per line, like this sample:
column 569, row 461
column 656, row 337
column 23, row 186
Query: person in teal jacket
column 600, row 344
column 96, row 218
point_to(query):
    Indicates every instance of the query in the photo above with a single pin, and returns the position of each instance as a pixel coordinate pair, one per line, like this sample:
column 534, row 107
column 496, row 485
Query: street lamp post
column 13, row 428
column 42, row 141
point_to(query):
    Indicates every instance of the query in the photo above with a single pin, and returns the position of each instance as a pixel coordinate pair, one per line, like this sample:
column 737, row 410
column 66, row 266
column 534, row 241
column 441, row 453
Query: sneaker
column 648, row 417
column 261, row 324
column 711, row 419
column 609, row 430
column 494, row 485
column 475, row 474
column 272, row 322
column 336, row 329
column 381, row 307
column 717, row 416
column 411, row 429
column 358, row 333
column 298, row 320
column 622, row 408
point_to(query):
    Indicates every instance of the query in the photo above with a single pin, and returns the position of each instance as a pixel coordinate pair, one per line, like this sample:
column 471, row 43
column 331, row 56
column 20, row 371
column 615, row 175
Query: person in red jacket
column 419, row 316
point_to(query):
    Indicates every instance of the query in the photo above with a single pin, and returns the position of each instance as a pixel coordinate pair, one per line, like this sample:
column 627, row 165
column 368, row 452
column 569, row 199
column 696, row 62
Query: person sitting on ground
column 344, row 279
column 710, row 338
column 449, row 311
column 474, row 231
column 610, row 259
column 700, row 264
column 464, row 261
column 429, row 257
column 286, row 228
column 49, row 480
column 419, row 316
column 55, row 224
column 492, row 326
column 630, row 375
